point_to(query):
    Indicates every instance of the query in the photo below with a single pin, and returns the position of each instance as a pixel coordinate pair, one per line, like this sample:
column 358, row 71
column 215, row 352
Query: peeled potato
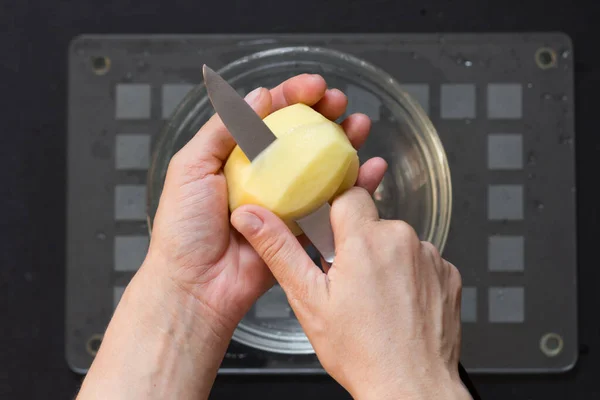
column 310, row 163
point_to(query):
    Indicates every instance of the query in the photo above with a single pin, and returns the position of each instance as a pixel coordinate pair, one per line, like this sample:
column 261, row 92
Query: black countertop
column 34, row 36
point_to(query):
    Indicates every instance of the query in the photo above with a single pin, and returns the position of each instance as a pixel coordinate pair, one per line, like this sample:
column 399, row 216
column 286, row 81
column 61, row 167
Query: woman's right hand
column 384, row 319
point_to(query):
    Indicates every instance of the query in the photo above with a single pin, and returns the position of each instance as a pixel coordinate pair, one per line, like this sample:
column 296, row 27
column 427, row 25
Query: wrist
column 428, row 386
column 178, row 305
column 157, row 345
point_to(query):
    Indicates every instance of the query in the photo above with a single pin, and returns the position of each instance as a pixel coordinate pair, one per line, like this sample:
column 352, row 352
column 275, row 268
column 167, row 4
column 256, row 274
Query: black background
column 34, row 36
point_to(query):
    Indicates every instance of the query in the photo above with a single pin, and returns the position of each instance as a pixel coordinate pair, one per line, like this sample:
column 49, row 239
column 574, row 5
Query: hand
column 191, row 237
column 384, row 319
column 174, row 322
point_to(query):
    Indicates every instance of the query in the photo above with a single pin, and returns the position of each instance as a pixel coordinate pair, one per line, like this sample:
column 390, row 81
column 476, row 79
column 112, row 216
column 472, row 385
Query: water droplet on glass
column 530, row 176
column 565, row 54
column 539, row 205
column 468, row 63
column 141, row 64
column 101, row 236
column 529, row 85
column 565, row 139
column 564, row 97
column 128, row 77
column 547, row 96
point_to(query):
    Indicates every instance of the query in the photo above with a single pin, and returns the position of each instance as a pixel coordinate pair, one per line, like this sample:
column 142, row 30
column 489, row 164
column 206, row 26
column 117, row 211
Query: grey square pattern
column 172, row 95
column 468, row 306
column 458, row 101
column 270, row 304
column 130, row 202
column 505, row 100
column 505, row 151
column 419, row 92
column 364, row 102
column 130, row 252
column 506, row 305
column 506, row 253
column 505, row 202
column 132, row 101
column 132, row 152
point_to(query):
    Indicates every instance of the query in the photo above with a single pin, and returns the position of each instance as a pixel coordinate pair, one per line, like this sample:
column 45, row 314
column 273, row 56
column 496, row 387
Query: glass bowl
column 416, row 187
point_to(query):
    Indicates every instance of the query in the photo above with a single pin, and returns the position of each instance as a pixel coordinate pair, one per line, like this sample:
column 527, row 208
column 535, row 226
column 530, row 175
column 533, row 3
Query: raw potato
column 311, row 162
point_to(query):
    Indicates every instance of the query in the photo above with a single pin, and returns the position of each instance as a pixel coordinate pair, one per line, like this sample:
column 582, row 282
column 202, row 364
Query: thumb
column 278, row 247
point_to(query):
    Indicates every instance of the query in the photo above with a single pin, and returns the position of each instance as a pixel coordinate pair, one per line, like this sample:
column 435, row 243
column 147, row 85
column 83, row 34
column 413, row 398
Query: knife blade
column 317, row 227
column 246, row 127
column 253, row 136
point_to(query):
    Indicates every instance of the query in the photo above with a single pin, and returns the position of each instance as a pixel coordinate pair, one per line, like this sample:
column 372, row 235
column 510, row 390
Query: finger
column 307, row 89
column 253, row 270
column 278, row 247
column 332, row 105
column 209, row 148
column 350, row 212
column 357, row 127
column 371, row 174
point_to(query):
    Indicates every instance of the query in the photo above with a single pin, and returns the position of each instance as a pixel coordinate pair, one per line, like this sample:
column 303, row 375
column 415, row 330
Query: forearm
column 157, row 345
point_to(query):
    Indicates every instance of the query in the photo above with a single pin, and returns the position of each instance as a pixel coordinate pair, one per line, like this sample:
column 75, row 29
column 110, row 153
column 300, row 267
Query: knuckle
column 406, row 233
column 272, row 247
column 431, row 249
column 186, row 167
column 455, row 276
column 349, row 205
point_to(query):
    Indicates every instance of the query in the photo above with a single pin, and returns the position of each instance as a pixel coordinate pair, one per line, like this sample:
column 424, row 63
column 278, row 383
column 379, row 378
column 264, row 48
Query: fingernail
column 246, row 223
column 253, row 95
column 316, row 78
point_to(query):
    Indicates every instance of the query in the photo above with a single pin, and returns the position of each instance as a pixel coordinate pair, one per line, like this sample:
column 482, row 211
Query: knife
column 253, row 136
